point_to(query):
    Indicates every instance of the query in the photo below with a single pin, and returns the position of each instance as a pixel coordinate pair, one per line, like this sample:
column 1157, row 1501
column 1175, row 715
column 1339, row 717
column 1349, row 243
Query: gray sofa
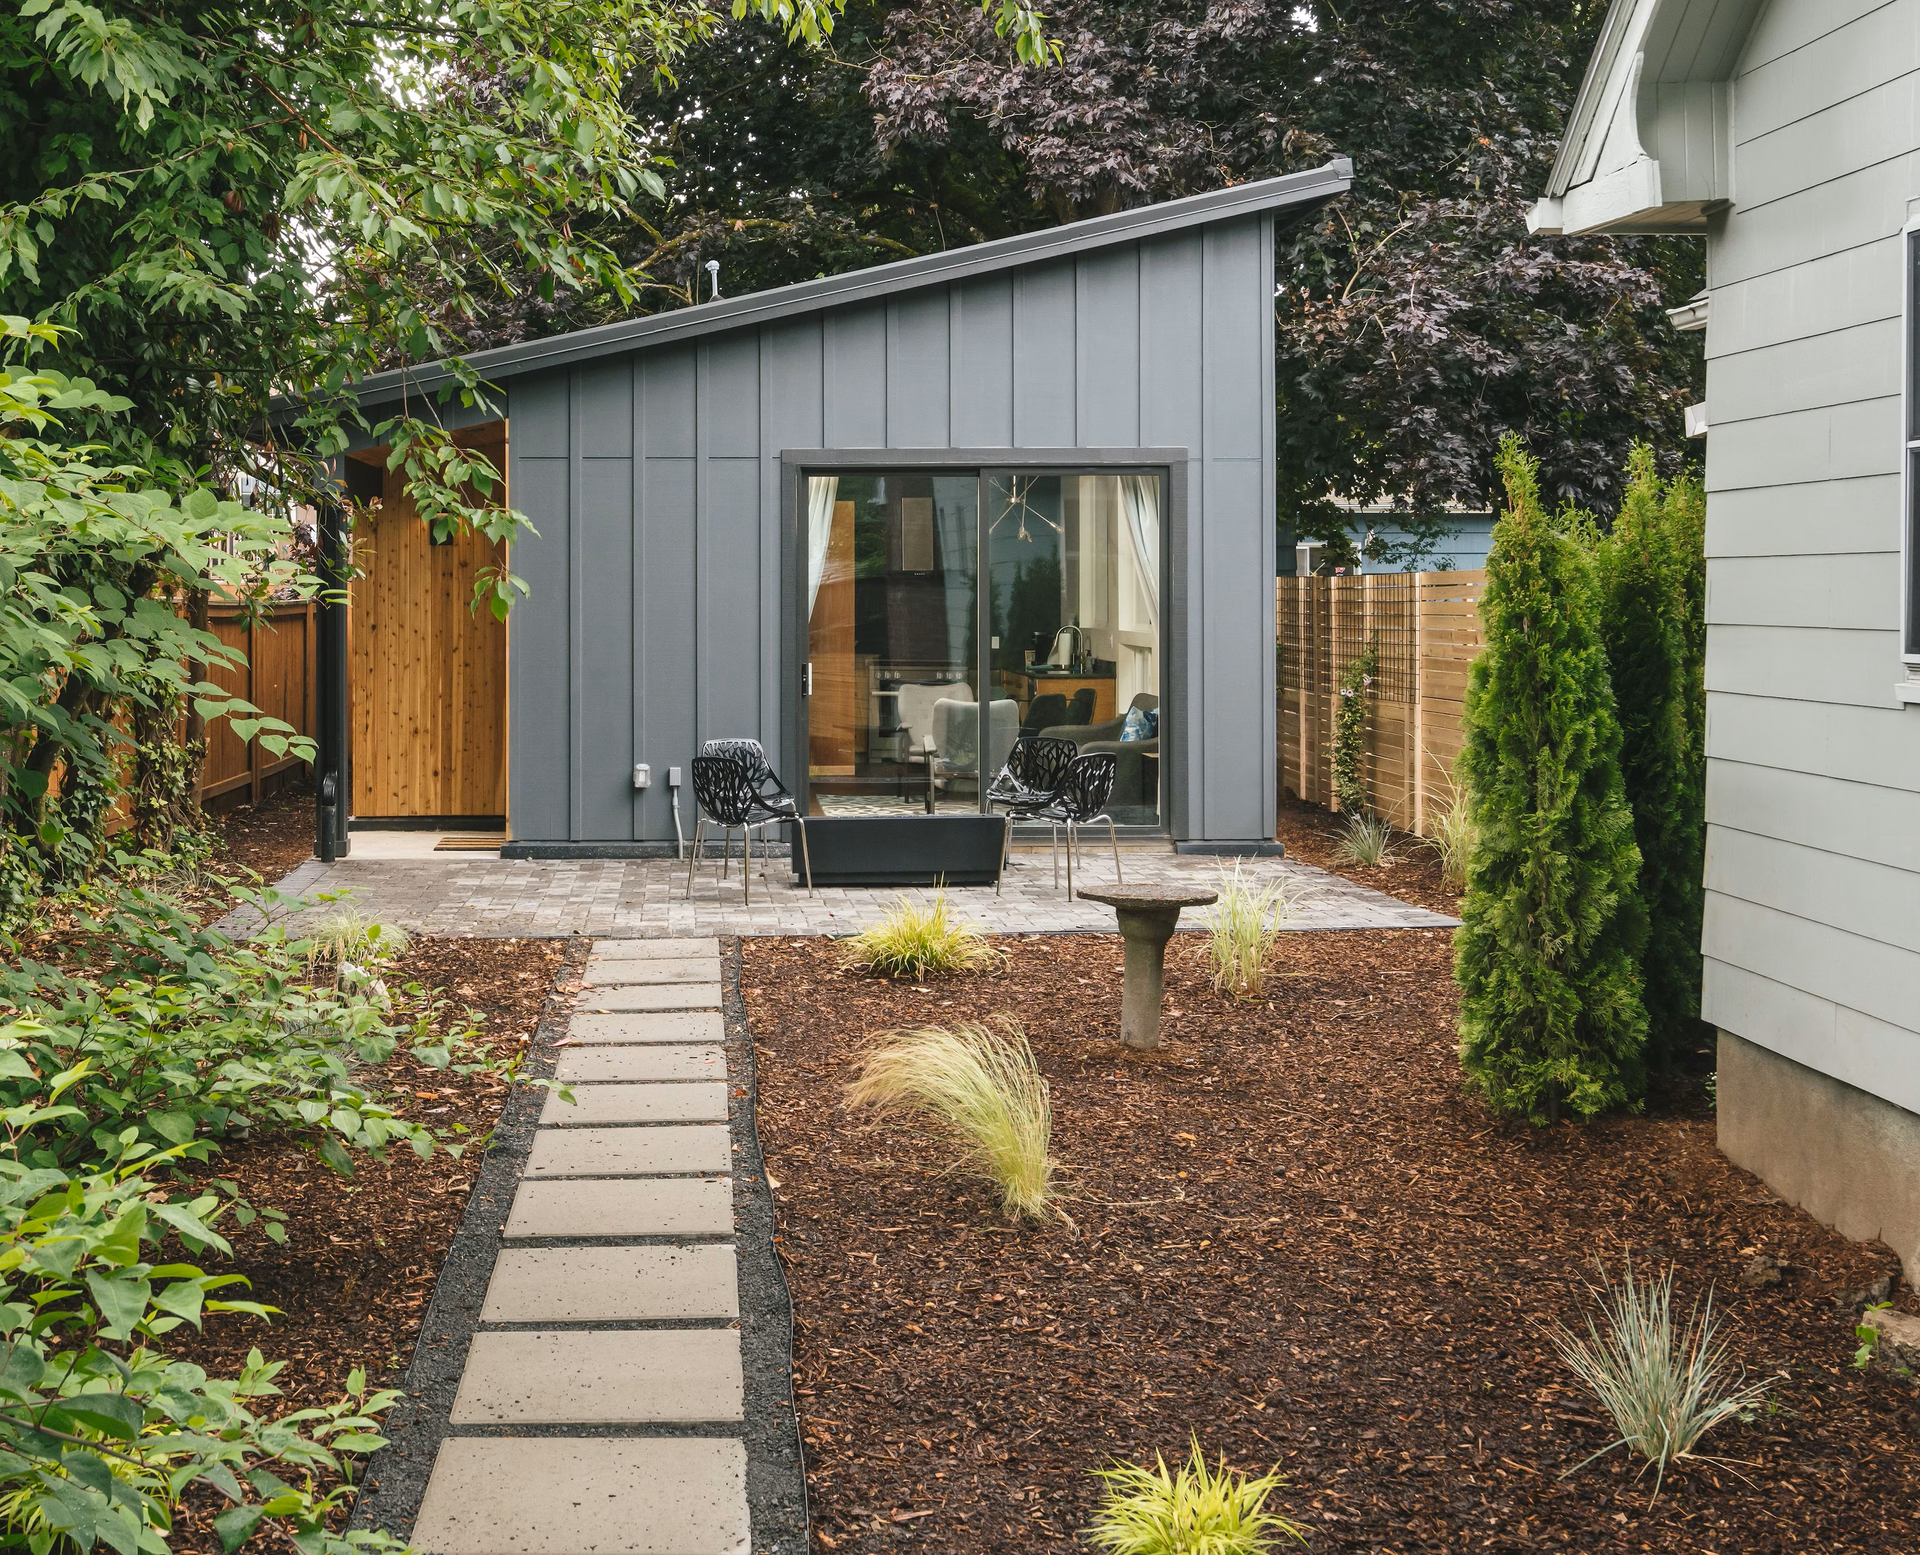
column 1135, row 782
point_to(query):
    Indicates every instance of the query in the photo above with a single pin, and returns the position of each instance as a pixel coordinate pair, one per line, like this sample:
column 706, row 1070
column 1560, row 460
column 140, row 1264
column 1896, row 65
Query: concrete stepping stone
column 602, row 1065
column 680, row 996
column 612, row 1284
column 670, row 1150
column 631, row 1206
column 671, row 1495
column 659, row 1102
column 606, row 1377
column 655, row 950
column 628, row 974
column 671, row 1026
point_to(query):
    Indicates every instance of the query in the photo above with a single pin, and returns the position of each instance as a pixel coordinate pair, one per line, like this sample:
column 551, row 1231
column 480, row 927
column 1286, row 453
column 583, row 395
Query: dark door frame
column 1169, row 463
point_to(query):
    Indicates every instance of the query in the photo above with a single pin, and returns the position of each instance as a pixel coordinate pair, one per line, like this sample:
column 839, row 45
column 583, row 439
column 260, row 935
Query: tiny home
column 1782, row 132
column 882, row 522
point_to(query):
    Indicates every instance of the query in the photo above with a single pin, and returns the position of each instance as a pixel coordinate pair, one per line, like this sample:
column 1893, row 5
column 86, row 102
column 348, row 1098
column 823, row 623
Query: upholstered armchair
column 1136, row 783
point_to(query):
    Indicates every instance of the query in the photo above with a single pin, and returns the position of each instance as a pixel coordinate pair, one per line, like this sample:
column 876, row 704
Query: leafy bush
column 913, row 940
column 982, row 1090
column 186, row 1037
column 100, row 1433
column 1552, row 923
column 1367, row 840
column 1241, row 929
column 1664, row 1390
column 1195, row 1510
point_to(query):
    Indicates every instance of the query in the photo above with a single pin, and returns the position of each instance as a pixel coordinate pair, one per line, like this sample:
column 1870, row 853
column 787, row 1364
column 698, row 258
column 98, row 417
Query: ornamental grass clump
column 976, row 1087
column 1367, row 840
column 1194, row 1510
column 1664, row 1390
column 1450, row 834
column 915, row 939
column 1241, row 928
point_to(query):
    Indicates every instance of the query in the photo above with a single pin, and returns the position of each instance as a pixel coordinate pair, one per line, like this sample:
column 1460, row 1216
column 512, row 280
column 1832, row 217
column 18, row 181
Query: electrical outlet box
column 673, row 777
column 643, row 776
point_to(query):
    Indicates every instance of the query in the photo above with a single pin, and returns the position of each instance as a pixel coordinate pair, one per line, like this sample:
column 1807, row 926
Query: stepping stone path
column 614, row 1303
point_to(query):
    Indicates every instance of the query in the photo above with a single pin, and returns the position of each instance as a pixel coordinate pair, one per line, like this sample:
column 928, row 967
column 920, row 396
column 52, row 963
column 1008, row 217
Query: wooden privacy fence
column 277, row 678
column 1425, row 627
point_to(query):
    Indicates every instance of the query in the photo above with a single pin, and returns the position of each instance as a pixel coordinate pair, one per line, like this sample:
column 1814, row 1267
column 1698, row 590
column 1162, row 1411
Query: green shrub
column 1194, row 1510
column 981, row 1090
column 185, row 1037
column 1350, row 732
column 914, row 939
column 1552, row 924
column 1643, row 618
column 1664, row 1390
column 1241, row 929
column 100, row 1433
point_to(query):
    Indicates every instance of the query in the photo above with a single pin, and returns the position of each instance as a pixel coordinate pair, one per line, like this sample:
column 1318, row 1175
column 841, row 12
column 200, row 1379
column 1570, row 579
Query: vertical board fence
column 1425, row 628
column 277, row 678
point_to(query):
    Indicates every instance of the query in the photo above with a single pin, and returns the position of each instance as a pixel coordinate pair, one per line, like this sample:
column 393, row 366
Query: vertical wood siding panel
column 668, row 394
column 1108, row 348
column 1236, row 626
column 733, row 396
column 733, row 630
column 540, row 688
column 917, row 369
column 667, row 618
column 1043, row 352
column 1237, row 363
column 604, row 699
column 982, row 363
column 793, row 416
column 606, row 409
column 856, row 377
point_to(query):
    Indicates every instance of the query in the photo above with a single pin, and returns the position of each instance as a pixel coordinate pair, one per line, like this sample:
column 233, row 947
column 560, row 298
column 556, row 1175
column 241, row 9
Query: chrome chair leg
column 1113, row 836
column 1070, row 860
column 693, row 855
column 1006, row 850
column 806, row 859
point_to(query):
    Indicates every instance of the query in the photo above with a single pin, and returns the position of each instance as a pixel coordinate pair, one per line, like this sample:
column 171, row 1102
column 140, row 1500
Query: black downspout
column 333, row 771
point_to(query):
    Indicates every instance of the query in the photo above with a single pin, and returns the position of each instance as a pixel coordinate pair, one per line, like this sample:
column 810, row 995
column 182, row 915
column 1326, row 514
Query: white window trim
column 1908, row 693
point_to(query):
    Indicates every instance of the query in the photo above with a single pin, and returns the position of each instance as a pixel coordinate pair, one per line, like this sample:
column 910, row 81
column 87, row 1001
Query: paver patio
column 640, row 898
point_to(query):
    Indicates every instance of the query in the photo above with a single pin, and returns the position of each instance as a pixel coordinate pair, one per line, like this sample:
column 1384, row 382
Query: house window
column 1910, row 528
column 934, row 595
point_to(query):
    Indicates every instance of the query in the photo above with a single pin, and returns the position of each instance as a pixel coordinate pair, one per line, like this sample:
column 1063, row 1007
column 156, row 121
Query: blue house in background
column 1463, row 550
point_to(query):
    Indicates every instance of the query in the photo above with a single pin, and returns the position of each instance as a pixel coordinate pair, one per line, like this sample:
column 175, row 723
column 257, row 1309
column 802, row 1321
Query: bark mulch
column 1299, row 1239
column 1311, row 834
column 270, row 841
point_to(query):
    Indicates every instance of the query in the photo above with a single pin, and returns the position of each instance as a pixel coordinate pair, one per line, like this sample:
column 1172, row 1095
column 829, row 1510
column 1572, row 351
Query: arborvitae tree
column 1546, row 959
column 1684, row 513
column 1643, row 618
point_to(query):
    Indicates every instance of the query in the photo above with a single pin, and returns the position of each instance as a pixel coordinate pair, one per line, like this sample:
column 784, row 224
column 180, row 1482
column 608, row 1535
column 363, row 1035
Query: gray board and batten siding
column 661, row 461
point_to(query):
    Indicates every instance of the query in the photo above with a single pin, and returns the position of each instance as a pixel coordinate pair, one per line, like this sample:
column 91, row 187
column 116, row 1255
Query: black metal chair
column 1044, row 711
column 726, row 798
column 772, row 799
column 1080, row 800
column 1034, row 770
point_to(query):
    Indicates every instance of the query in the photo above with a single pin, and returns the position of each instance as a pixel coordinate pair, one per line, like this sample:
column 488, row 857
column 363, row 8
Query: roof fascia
column 1296, row 194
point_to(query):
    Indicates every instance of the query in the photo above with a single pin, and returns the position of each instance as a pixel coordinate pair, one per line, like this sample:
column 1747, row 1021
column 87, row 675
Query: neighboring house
column 1034, row 476
column 1385, row 547
column 1785, row 133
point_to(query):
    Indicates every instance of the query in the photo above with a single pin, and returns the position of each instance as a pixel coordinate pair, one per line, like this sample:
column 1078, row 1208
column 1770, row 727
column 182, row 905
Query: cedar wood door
column 428, row 678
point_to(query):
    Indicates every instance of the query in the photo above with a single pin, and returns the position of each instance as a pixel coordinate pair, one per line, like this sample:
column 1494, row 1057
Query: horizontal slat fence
column 1426, row 629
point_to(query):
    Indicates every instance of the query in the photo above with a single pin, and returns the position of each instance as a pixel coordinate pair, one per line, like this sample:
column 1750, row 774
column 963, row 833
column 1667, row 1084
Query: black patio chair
column 1080, row 800
column 1034, row 770
column 772, row 799
column 726, row 798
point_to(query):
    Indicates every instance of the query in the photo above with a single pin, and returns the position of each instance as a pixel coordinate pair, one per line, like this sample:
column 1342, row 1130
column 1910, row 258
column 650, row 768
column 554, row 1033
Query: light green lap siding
column 1873, row 1055
column 1854, row 744
column 1806, row 664
column 1828, row 371
column 1846, row 592
column 1829, row 517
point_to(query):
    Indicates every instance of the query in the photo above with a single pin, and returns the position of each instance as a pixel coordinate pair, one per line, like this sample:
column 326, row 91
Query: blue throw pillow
column 1142, row 724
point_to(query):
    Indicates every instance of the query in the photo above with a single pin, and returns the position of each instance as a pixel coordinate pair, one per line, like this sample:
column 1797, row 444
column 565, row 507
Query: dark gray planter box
column 904, row 850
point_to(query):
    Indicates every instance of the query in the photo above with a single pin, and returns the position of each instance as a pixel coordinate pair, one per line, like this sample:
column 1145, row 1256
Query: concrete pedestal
column 1148, row 916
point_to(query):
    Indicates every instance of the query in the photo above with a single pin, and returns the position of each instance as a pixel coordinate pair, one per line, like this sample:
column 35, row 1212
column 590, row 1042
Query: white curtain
column 821, row 492
column 1140, row 499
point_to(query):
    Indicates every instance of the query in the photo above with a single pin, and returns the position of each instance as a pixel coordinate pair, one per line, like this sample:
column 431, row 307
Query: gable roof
column 1649, row 141
column 1293, row 197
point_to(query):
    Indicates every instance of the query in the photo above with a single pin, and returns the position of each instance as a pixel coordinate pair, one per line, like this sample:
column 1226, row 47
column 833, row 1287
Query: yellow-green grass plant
column 1367, row 840
column 1450, row 832
column 916, row 938
column 978, row 1088
column 1194, row 1510
column 348, row 935
column 1664, row 1388
column 1241, row 928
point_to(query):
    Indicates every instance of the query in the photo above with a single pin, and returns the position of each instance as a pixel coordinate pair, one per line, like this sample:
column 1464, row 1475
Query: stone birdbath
column 1148, row 916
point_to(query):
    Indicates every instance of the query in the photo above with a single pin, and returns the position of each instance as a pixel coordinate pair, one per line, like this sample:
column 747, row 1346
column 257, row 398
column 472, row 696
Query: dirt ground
column 1298, row 1240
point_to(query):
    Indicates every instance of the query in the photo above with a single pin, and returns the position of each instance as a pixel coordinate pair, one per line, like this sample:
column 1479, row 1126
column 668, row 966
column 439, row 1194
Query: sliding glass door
column 920, row 683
